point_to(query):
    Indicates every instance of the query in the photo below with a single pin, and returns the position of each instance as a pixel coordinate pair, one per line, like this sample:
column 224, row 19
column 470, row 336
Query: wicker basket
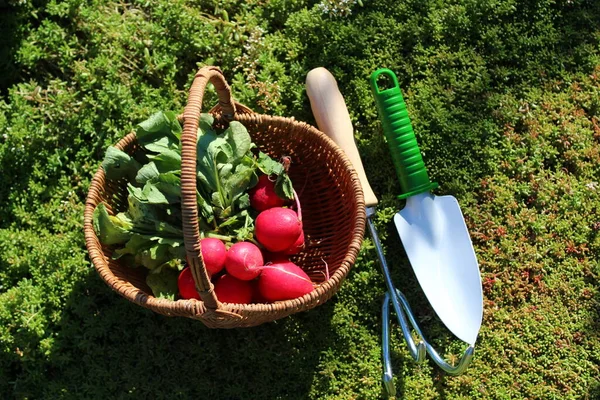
column 332, row 206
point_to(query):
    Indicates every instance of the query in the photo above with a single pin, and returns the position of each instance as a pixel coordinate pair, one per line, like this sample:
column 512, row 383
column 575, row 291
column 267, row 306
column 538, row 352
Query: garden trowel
column 432, row 228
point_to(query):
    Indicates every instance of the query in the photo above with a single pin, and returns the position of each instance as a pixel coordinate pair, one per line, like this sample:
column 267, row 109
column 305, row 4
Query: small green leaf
column 169, row 184
column 206, row 122
column 216, row 200
column 231, row 221
column 139, row 209
column 146, row 173
column 154, row 256
column 153, row 195
column 118, row 164
column 167, row 161
column 163, row 283
column 136, row 192
column 284, row 187
column 135, row 244
column 267, row 165
column 224, row 170
column 243, row 201
column 159, row 125
column 206, row 182
column 239, row 140
column 209, row 147
column 110, row 229
column 162, row 144
column 205, row 208
column 240, row 181
column 168, row 229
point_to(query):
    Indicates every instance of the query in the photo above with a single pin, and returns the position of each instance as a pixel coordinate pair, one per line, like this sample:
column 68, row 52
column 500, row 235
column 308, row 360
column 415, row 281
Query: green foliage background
column 504, row 98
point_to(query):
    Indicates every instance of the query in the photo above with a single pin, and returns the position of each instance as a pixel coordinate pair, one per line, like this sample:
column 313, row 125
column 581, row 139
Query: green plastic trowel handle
column 398, row 131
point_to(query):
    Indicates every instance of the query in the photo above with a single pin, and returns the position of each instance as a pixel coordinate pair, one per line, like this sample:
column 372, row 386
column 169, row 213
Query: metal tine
column 417, row 351
column 466, row 358
column 417, row 354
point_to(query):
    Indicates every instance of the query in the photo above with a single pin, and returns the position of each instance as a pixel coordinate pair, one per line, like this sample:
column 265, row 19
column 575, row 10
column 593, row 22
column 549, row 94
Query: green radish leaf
column 153, row 250
column 207, row 146
column 224, row 173
column 267, row 165
column 217, row 201
column 206, row 183
column 169, row 184
column 158, row 126
column 136, row 244
column 240, row 181
column 284, row 187
column 231, row 222
column 205, row 209
column 243, row 201
column 225, row 213
column 110, row 229
column 238, row 139
column 141, row 212
column 210, row 147
column 154, row 256
column 163, row 283
column 124, row 220
column 167, row 229
column 173, row 242
column 240, row 226
column 146, row 173
column 136, row 192
column 163, row 144
column 167, row 161
column 153, row 195
column 117, row 164
column 206, row 122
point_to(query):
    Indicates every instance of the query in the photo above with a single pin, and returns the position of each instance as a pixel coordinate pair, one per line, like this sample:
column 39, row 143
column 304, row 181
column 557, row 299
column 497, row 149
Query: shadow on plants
column 15, row 19
column 11, row 18
column 108, row 347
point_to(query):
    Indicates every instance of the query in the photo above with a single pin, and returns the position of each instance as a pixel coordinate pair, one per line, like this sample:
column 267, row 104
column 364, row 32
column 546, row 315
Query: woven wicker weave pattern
column 329, row 190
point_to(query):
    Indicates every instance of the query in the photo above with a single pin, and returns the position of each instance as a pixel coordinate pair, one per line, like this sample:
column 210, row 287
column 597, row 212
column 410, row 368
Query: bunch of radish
column 246, row 273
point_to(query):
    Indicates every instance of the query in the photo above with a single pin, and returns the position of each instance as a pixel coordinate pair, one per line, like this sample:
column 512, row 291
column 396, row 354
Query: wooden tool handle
column 331, row 114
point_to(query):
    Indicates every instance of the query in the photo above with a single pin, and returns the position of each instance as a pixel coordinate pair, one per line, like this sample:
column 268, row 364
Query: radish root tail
column 299, row 209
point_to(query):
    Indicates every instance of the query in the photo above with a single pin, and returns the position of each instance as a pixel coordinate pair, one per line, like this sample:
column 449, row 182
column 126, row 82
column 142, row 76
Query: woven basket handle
column 189, row 205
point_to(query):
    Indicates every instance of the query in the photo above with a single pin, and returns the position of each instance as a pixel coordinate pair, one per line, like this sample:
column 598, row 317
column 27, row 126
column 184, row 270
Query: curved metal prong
column 452, row 370
column 418, row 350
column 466, row 358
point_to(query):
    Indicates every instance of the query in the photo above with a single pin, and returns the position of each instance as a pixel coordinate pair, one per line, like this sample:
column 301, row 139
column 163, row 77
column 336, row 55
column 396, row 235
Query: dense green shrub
column 504, row 97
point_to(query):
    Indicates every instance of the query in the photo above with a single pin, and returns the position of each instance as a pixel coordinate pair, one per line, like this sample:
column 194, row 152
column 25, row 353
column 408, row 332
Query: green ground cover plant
column 505, row 101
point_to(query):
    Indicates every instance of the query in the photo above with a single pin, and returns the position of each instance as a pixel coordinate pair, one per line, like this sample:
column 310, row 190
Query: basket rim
column 196, row 308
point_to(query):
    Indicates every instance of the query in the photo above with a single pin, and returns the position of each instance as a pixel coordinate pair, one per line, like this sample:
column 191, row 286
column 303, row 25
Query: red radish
column 274, row 257
column 232, row 290
column 263, row 196
column 277, row 228
column 186, row 285
column 298, row 246
column 283, row 281
column 214, row 254
column 244, row 261
column 257, row 297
